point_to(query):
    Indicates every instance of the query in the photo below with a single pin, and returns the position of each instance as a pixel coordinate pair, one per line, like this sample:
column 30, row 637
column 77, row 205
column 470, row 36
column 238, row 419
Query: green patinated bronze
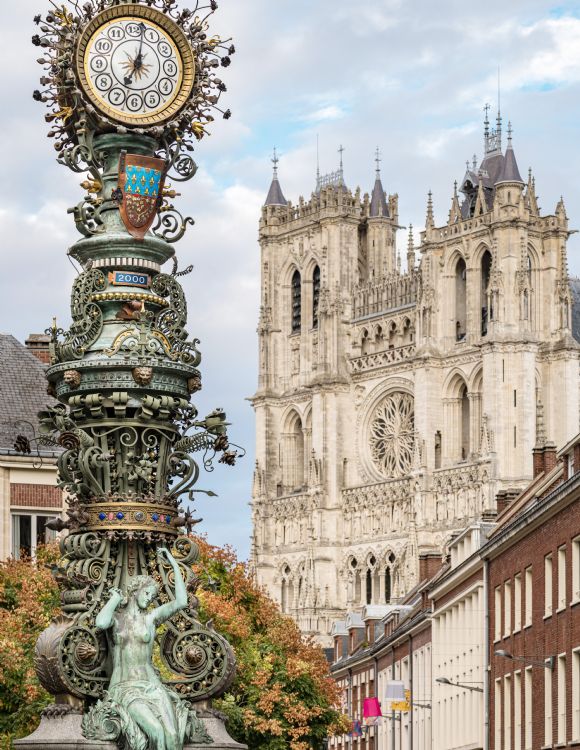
column 123, row 374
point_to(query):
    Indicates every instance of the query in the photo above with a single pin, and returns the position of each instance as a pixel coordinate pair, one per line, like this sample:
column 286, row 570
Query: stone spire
column 378, row 205
column 410, row 251
column 481, row 203
column 455, row 212
column 275, row 196
column 531, row 197
column 510, row 171
column 429, row 221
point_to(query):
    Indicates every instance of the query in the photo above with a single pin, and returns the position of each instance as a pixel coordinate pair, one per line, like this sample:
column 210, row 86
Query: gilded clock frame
column 178, row 38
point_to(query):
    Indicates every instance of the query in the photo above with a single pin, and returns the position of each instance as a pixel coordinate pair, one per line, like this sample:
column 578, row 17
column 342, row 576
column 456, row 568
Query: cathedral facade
column 393, row 406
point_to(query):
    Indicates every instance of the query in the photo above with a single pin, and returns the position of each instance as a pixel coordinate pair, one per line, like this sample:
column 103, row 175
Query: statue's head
column 143, row 589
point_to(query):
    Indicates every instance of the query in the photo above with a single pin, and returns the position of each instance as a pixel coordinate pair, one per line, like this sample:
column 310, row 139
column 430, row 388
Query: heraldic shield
column 141, row 181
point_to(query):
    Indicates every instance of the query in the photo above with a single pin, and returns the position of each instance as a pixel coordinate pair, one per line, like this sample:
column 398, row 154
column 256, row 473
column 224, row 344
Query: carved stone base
column 61, row 730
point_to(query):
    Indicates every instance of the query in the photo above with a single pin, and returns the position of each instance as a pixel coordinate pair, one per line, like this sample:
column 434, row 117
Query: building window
column 507, row 712
column 507, row 608
column 548, row 585
column 562, row 577
column 562, row 699
column 528, row 709
column 497, row 629
column 548, row 707
column 497, row 713
column 486, row 310
column 528, row 595
column 296, row 302
column 315, row 295
column 576, row 695
column 388, row 584
column 369, row 587
column 460, row 300
column 28, row 531
column 517, row 711
column 576, row 569
column 517, row 602
column 465, row 421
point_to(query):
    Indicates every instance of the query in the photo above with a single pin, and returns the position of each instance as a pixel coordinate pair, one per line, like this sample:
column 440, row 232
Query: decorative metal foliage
column 74, row 120
column 392, row 434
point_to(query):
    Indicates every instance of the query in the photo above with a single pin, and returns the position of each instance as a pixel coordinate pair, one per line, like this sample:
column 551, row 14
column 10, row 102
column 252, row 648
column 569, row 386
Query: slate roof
column 510, row 171
column 379, row 205
column 22, row 391
column 275, row 196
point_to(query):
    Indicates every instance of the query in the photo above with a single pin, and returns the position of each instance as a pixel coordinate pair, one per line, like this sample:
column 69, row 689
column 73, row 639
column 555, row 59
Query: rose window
column 392, row 430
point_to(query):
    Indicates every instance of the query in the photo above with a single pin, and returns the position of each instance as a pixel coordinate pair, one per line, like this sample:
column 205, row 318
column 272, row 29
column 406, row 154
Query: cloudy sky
column 408, row 76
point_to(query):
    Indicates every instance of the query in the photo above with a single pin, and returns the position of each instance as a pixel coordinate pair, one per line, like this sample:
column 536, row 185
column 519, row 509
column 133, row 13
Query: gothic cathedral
column 393, row 406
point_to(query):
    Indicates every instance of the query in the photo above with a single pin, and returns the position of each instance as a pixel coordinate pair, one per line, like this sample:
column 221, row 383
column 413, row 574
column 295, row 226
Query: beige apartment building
column 394, row 404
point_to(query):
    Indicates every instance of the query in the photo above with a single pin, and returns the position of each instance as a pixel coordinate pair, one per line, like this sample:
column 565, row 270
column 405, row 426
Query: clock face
column 135, row 65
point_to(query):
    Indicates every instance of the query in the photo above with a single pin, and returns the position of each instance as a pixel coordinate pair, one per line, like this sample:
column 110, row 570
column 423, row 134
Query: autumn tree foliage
column 29, row 599
column 282, row 696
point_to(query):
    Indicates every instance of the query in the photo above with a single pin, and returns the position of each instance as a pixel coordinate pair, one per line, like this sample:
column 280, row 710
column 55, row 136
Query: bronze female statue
column 137, row 706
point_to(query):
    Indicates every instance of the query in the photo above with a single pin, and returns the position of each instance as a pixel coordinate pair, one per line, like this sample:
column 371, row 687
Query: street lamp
column 548, row 664
column 466, row 685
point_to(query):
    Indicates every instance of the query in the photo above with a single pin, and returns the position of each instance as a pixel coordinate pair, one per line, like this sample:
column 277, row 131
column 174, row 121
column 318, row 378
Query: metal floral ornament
column 136, row 67
column 130, row 87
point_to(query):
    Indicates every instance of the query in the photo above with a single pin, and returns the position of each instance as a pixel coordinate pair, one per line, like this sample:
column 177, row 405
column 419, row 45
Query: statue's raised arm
column 165, row 611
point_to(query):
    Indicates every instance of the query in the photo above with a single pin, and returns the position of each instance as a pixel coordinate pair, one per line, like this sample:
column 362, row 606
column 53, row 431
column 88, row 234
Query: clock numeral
column 134, row 102
column 152, row 99
column 103, row 82
column 165, row 86
column 164, row 49
column 133, row 29
column 116, row 96
column 152, row 36
column 116, row 33
column 98, row 64
column 103, row 46
column 169, row 68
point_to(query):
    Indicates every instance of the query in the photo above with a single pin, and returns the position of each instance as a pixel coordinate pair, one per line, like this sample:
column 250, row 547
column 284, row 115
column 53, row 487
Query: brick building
column 533, row 559
column 386, row 644
column 28, row 493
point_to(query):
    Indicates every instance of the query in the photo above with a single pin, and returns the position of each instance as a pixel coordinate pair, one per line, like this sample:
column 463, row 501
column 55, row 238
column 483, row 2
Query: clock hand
column 138, row 61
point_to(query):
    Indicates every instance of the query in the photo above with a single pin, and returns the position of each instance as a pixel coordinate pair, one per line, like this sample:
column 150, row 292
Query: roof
column 275, row 196
column 510, row 171
column 22, row 391
column 378, row 205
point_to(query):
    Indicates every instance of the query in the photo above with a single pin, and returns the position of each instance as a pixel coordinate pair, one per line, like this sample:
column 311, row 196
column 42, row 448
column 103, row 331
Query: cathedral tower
column 393, row 406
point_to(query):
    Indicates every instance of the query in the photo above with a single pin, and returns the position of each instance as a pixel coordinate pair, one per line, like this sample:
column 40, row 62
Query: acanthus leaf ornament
column 141, row 180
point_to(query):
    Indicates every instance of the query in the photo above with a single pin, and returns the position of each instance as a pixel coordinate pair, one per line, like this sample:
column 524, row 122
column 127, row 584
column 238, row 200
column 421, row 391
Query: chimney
column 37, row 344
column 550, row 457
column 505, row 498
column 429, row 565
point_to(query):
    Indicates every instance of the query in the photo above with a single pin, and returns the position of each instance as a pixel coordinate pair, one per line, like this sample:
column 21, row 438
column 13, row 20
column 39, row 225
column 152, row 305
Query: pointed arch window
column 315, row 295
column 486, row 306
column 460, row 300
column 296, row 302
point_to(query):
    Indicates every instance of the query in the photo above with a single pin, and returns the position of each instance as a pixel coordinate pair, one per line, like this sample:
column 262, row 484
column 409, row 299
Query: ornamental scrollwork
column 87, row 319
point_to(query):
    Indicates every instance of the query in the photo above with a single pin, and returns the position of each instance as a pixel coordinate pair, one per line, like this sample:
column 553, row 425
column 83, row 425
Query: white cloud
column 435, row 145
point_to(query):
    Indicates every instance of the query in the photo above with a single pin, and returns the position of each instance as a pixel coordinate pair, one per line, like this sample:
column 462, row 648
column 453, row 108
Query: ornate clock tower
column 130, row 87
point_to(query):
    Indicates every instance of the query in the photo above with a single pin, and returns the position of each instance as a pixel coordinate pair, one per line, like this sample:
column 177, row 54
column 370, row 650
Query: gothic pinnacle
column 410, row 251
column 429, row 222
